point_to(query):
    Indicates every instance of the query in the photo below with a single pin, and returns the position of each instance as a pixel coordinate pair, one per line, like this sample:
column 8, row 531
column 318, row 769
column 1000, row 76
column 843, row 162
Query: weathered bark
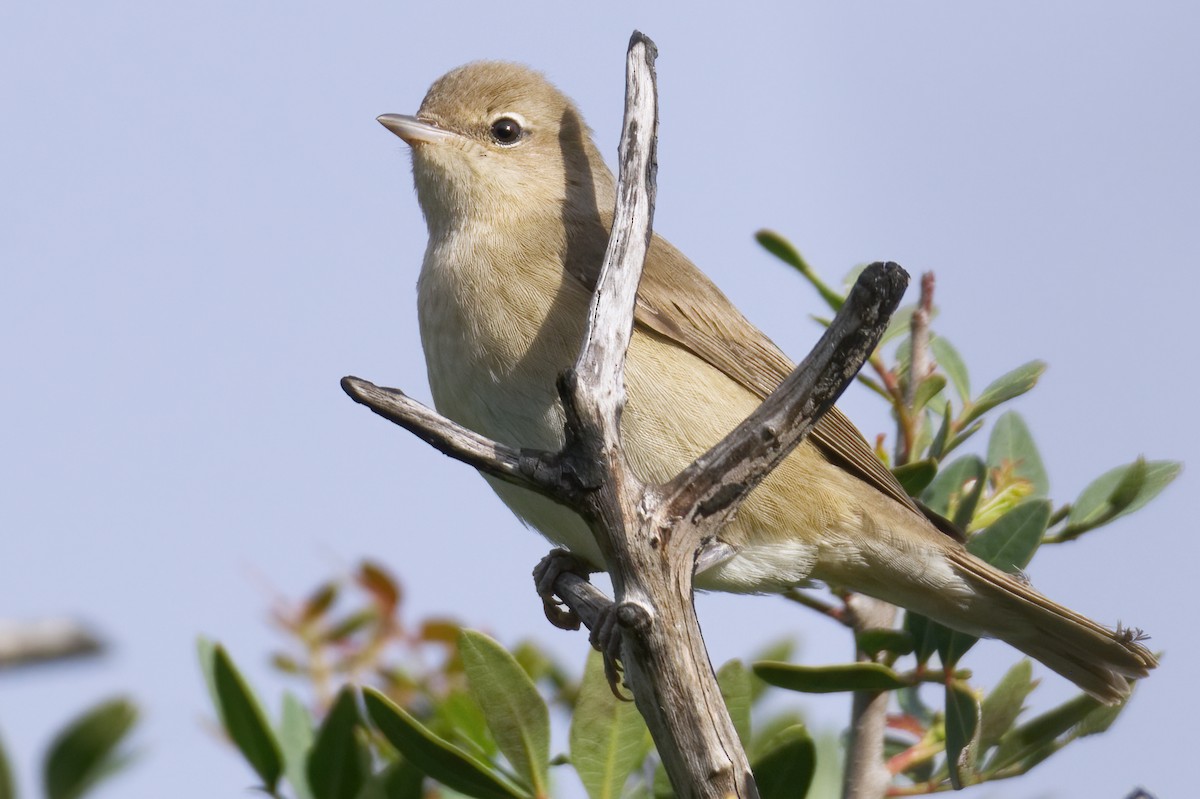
column 651, row 534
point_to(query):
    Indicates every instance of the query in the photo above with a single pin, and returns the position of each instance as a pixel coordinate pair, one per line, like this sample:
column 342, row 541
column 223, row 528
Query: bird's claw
column 605, row 638
column 544, row 575
column 605, row 635
column 560, row 616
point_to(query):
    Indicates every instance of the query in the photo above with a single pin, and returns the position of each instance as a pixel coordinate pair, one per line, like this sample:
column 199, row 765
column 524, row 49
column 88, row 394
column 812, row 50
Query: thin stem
column 915, row 755
column 866, row 775
column 920, row 364
column 827, row 609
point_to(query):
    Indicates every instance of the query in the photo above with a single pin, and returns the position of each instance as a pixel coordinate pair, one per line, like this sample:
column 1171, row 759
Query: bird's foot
column 558, row 562
column 605, row 638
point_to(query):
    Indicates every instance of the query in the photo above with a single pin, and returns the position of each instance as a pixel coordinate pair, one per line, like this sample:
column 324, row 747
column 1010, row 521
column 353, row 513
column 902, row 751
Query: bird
column 518, row 203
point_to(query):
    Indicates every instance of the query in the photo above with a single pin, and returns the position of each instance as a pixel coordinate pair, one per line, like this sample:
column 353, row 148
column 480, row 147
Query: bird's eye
column 506, row 130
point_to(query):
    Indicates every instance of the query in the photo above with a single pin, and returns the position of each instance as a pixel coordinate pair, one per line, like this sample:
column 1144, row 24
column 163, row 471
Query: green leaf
column 830, row 679
column 929, row 388
column 540, row 666
column 84, row 752
column 400, row 780
column 1005, row 388
column 8, row 785
column 924, row 437
column 1120, row 491
column 899, row 324
column 781, row 650
column 1005, row 703
column 915, row 477
column 461, row 714
column 608, row 738
column 438, row 758
column 335, row 770
column 206, row 653
column 999, row 504
column 961, row 436
column 911, row 703
column 955, row 491
column 734, row 681
column 937, row 447
column 1011, row 447
column 952, row 364
column 295, row 739
column 928, row 636
column 350, row 625
column 769, row 729
column 660, row 784
column 875, row 386
column 783, row 249
column 874, row 640
column 319, row 602
column 785, row 769
column 1130, row 486
column 851, row 277
column 830, row 766
column 1008, row 545
column 1098, row 721
column 244, row 720
column 1035, row 740
column 962, row 728
column 936, row 408
column 515, row 712
column 1050, row 732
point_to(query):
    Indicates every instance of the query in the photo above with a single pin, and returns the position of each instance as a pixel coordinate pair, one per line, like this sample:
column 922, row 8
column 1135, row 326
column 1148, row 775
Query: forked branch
column 651, row 535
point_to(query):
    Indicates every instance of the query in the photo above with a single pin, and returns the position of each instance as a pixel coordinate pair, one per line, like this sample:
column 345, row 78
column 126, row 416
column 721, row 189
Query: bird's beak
column 413, row 130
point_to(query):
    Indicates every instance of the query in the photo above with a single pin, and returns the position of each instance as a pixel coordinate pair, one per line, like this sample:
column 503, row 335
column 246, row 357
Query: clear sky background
column 202, row 228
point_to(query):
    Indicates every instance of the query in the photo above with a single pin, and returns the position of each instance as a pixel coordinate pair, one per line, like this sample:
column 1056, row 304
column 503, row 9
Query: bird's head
column 494, row 141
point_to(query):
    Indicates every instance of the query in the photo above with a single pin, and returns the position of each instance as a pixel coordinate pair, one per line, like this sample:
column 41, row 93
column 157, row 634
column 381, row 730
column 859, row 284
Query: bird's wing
column 678, row 302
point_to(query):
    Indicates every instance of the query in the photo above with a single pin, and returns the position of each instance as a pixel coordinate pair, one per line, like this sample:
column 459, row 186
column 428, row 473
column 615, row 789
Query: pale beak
column 413, row 130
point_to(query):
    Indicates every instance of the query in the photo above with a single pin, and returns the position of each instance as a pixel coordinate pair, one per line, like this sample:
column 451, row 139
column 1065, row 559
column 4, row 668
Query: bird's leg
column 605, row 631
column 712, row 553
column 605, row 638
column 559, row 561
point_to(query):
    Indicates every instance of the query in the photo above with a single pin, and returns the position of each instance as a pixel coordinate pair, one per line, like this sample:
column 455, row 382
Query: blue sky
column 202, row 228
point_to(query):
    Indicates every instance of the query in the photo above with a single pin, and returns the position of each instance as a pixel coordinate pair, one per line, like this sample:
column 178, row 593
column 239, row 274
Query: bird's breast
column 497, row 326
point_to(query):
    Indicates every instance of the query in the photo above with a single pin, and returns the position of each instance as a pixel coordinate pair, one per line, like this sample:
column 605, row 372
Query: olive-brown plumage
column 519, row 202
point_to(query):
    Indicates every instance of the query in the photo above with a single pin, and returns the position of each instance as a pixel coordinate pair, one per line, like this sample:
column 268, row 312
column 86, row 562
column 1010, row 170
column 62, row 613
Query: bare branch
column 650, row 549
column 593, row 391
column 866, row 775
column 610, row 317
column 532, row 469
column 827, row 609
column 25, row 643
column 588, row 601
column 920, row 365
column 720, row 480
column 663, row 652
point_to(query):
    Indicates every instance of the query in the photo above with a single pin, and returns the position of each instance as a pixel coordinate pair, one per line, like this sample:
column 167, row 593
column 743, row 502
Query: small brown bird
column 519, row 204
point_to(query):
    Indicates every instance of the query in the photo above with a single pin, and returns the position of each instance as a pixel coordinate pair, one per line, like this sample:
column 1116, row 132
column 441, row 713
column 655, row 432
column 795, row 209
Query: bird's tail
column 1099, row 660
